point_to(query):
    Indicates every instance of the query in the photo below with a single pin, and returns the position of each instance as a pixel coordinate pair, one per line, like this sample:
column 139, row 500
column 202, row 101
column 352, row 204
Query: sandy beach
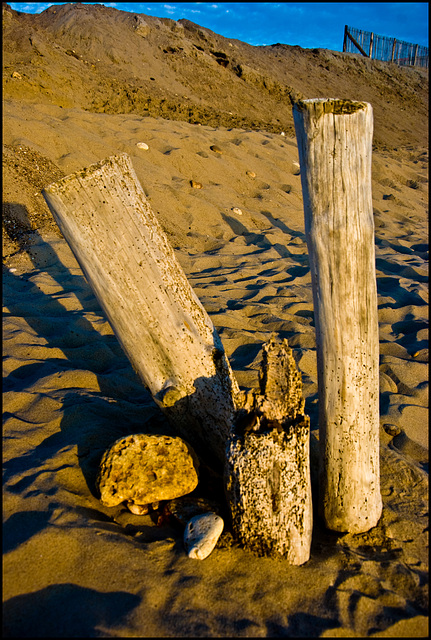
column 74, row 568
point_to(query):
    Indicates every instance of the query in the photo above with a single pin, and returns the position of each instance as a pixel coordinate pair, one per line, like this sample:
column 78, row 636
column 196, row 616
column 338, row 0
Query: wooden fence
column 378, row 47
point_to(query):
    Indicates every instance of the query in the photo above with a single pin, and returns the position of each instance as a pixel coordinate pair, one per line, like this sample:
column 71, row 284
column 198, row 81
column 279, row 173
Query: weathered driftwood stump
column 335, row 146
column 167, row 335
column 267, row 473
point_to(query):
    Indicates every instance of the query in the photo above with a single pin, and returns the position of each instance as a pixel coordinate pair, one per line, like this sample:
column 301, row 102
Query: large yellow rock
column 143, row 469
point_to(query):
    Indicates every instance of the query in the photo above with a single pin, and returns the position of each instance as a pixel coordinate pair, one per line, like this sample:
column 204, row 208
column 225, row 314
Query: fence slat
column 357, row 45
column 393, row 49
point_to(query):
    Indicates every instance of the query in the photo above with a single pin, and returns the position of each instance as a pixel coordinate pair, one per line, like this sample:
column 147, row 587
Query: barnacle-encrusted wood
column 335, row 148
column 167, row 335
column 267, row 473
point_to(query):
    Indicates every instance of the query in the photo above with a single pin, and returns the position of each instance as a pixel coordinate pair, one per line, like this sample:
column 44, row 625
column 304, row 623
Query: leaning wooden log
column 267, row 472
column 335, row 146
column 167, row 335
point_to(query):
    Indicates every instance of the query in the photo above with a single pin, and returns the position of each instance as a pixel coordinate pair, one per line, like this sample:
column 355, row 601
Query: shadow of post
column 65, row 611
column 91, row 419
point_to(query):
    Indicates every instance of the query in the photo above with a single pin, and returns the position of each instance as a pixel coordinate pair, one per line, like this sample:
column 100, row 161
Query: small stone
column 392, row 429
column 17, row 75
column 142, row 145
column 413, row 184
column 141, row 509
column 282, row 133
column 251, row 174
column 237, row 211
column 296, row 169
column 422, row 355
column 201, row 535
column 138, row 509
column 195, row 185
column 143, row 469
column 216, row 149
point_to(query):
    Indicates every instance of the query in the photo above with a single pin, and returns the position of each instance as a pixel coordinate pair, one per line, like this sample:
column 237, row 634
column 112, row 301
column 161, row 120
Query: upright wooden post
column 169, row 338
column 335, row 146
column 371, row 45
column 393, row 50
column 345, row 38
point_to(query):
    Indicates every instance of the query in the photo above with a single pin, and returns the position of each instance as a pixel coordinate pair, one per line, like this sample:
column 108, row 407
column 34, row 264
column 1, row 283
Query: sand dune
column 74, row 568
column 69, row 392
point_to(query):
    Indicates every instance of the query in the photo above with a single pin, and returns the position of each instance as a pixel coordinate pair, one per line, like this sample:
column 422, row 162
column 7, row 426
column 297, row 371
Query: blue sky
column 307, row 24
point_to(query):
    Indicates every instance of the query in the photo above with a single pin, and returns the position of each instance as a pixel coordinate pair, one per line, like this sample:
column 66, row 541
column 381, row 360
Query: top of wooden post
column 123, row 160
column 337, row 106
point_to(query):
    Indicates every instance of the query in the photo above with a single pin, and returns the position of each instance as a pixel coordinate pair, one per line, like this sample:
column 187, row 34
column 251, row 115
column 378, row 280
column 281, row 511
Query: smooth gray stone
column 201, row 535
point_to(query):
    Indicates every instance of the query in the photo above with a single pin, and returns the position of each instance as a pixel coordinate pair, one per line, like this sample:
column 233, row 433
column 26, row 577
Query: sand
column 74, row 568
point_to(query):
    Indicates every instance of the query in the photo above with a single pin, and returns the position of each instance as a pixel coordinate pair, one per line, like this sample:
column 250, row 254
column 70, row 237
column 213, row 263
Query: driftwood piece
column 267, row 473
column 164, row 330
column 335, row 147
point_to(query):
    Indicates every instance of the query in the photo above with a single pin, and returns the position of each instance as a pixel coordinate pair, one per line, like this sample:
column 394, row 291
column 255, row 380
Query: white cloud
column 41, row 8
column 29, row 8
